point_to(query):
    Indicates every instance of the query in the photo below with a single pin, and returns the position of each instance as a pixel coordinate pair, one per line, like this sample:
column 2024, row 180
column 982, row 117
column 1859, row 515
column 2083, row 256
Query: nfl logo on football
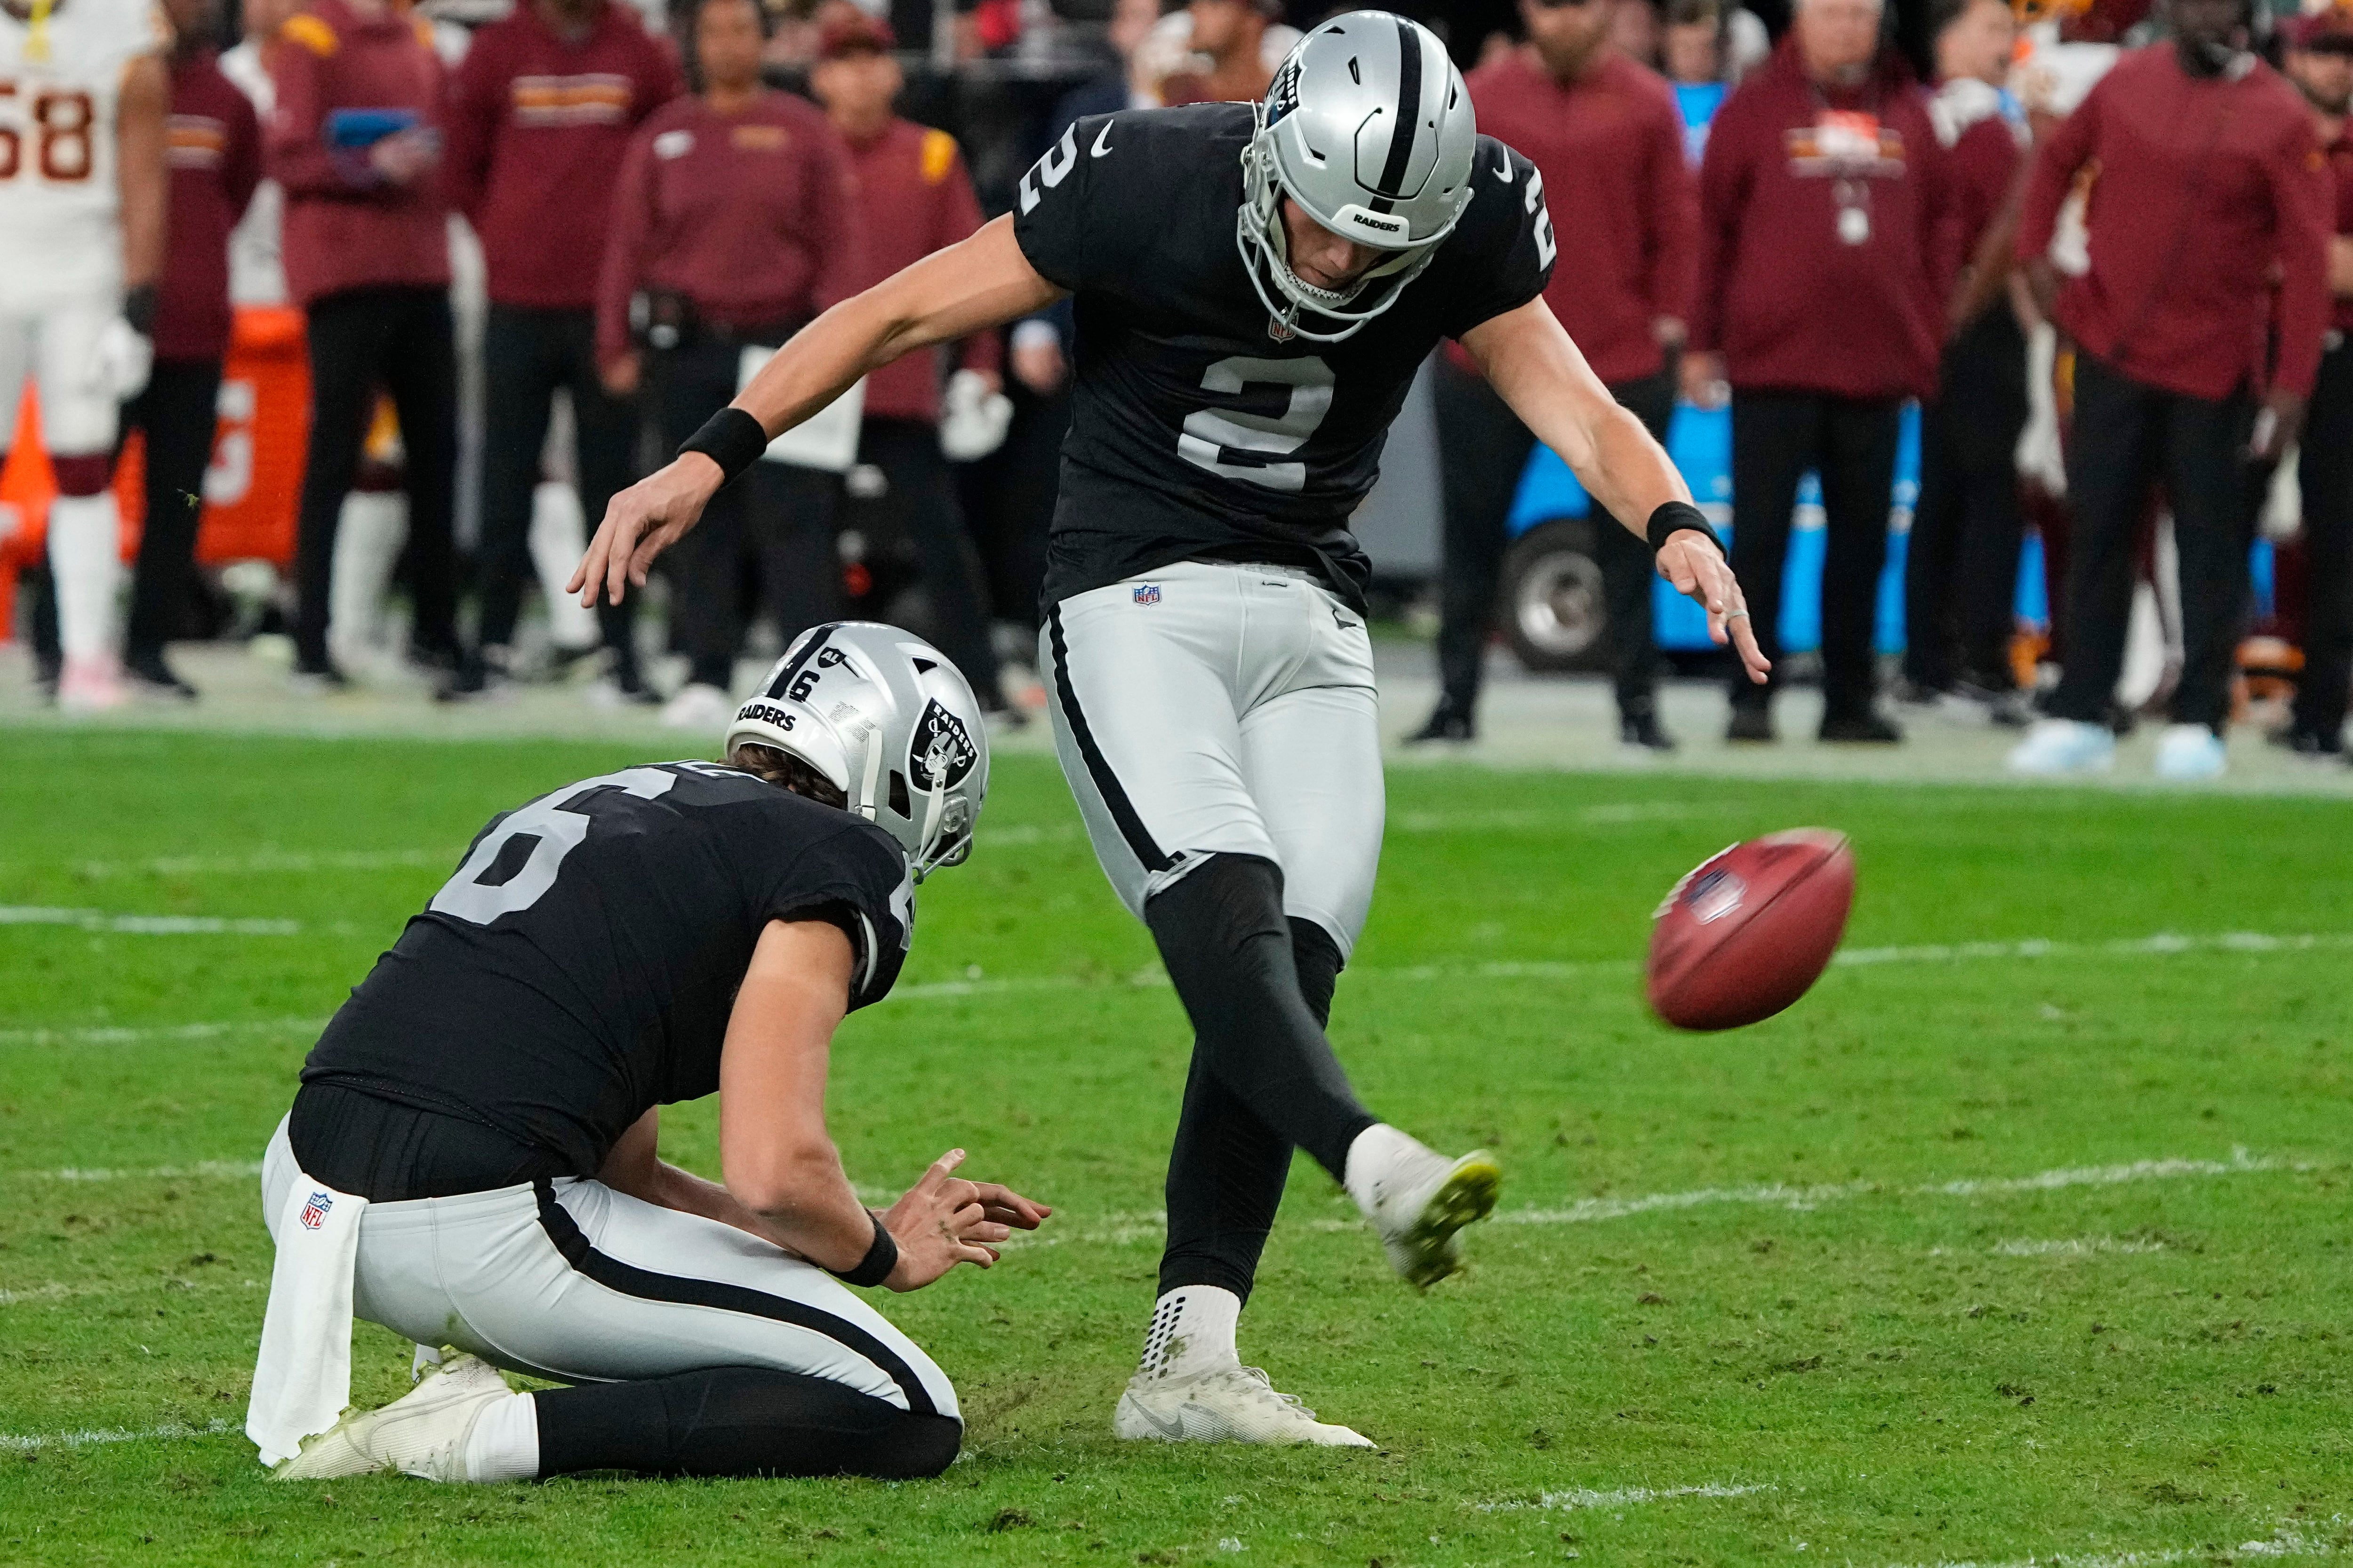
column 1147, row 593
column 314, row 1210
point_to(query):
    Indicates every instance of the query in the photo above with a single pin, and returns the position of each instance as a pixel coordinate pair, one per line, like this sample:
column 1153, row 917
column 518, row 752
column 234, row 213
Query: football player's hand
column 945, row 1220
column 640, row 523
column 1691, row 561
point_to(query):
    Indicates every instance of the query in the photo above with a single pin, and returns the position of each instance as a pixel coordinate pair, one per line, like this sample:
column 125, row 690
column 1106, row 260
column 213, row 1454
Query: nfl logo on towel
column 314, row 1213
column 1147, row 593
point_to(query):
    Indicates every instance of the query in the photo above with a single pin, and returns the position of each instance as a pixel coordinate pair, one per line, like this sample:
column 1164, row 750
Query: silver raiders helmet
column 890, row 721
column 1368, row 128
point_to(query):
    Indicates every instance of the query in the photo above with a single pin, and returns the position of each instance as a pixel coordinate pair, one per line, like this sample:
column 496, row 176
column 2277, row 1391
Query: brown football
column 1750, row 929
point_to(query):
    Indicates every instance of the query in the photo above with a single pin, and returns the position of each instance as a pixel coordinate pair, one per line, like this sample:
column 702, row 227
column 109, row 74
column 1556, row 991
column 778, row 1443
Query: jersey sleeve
column 1054, row 220
column 1505, row 242
column 859, row 880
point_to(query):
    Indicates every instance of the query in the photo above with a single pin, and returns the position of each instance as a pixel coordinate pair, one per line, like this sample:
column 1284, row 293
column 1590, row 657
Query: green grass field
column 2023, row 1236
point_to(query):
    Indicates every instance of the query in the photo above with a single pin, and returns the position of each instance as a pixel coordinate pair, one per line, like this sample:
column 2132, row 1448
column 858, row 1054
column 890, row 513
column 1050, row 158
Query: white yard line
column 201, row 1169
column 1627, row 1496
column 170, row 1431
column 271, row 862
column 155, row 1034
column 2284, row 1540
column 144, row 925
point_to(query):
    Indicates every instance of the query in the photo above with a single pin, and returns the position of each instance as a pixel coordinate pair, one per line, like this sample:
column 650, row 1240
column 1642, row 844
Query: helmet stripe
column 1408, row 115
column 791, row 666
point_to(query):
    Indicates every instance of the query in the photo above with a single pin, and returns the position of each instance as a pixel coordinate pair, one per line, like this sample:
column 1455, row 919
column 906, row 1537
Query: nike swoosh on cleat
column 1102, row 141
column 1173, row 1429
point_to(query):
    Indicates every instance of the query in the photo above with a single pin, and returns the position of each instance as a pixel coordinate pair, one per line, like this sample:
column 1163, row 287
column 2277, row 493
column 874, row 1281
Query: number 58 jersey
column 582, row 963
column 60, row 85
column 1197, row 433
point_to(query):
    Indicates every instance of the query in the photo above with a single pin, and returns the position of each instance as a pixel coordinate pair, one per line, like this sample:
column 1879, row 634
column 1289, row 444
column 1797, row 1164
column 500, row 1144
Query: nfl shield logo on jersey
column 1147, row 593
column 314, row 1210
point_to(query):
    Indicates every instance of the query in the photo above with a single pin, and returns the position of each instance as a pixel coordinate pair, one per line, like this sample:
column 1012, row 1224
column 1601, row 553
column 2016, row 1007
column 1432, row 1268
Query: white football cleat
column 1225, row 1404
column 2189, row 753
column 2055, row 748
column 91, row 686
column 1417, row 1199
column 422, row 1433
column 698, row 706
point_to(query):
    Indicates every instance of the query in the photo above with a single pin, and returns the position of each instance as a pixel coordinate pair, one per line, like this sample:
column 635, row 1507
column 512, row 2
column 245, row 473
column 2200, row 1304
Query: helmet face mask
column 1368, row 129
column 889, row 722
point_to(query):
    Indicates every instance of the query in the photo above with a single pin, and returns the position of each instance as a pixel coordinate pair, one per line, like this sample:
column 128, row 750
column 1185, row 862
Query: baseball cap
column 2330, row 29
column 855, row 33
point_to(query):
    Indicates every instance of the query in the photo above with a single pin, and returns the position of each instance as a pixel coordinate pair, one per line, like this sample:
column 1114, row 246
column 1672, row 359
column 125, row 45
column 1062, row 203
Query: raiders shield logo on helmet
column 941, row 753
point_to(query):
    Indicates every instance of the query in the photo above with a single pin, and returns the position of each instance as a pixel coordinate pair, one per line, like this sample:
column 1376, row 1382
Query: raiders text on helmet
column 890, row 721
column 1368, row 128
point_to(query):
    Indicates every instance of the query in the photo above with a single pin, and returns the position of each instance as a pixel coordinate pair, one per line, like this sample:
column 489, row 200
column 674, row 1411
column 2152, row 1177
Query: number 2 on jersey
column 1211, row 433
column 62, row 148
column 557, row 825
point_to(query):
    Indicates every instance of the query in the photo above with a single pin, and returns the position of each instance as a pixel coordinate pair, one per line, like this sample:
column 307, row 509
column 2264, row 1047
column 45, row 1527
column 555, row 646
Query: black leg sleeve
column 739, row 1421
column 1228, row 945
column 1227, row 1169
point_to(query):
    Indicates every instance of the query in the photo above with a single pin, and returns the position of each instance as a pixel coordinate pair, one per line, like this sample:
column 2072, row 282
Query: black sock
column 739, row 1421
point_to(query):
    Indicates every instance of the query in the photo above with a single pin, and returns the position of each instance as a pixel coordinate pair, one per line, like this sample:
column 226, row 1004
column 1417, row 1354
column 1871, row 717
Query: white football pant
column 59, row 347
column 572, row 1280
column 1209, row 708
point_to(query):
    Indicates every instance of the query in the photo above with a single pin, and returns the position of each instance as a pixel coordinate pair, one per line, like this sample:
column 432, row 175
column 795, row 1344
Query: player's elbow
column 786, row 1178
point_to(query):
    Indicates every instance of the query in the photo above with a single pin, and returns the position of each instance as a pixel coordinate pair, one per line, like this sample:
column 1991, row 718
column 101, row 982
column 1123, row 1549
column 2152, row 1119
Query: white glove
column 974, row 420
column 125, row 356
column 2040, row 457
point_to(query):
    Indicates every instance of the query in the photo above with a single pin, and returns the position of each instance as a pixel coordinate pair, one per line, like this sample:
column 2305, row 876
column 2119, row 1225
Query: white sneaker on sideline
column 698, row 706
column 1417, row 1199
column 2189, row 753
column 422, row 1433
column 1228, row 1404
column 91, row 686
column 2055, row 748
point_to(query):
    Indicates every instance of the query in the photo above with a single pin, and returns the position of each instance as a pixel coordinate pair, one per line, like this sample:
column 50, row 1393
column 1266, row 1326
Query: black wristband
column 139, row 308
column 731, row 438
column 880, row 1260
column 1673, row 518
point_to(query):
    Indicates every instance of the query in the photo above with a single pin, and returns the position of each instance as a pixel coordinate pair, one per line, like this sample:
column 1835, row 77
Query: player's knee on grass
column 739, row 1421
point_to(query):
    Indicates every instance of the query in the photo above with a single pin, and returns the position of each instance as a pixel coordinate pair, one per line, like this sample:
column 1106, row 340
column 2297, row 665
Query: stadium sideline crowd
column 2104, row 249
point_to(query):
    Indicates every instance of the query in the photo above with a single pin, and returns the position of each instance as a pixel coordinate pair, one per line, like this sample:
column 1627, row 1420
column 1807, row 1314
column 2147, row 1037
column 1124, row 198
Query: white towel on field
column 302, row 1378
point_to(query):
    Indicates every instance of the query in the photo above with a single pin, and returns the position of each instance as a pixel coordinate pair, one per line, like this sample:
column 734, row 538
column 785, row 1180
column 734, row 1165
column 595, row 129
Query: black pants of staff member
column 779, row 515
column 1849, row 442
column 921, row 498
column 2127, row 434
column 2326, row 477
column 177, row 413
column 527, row 354
column 399, row 339
column 1960, row 572
column 1483, row 449
column 1009, row 498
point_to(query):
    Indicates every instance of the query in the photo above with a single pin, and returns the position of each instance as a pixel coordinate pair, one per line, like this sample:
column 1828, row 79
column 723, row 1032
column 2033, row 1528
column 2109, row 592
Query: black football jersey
column 1194, row 432
column 581, row 964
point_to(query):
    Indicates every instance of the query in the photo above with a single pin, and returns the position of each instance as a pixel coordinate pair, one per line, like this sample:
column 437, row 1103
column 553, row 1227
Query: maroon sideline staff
column 213, row 152
column 915, row 196
column 367, row 257
column 733, row 216
column 539, row 117
column 2320, row 63
column 1960, row 568
column 1824, row 254
column 1608, row 142
column 2209, row 178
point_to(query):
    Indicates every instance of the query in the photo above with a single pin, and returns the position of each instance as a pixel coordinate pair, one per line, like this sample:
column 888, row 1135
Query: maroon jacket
column 2204, row 186
column 346, row 228
column 1610, row 149
column 750, row 217
column 913, row 198
column 1793, row 290
column 538, row 123
column 214, row 152
column 2340, row 163
column 1983, row 162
